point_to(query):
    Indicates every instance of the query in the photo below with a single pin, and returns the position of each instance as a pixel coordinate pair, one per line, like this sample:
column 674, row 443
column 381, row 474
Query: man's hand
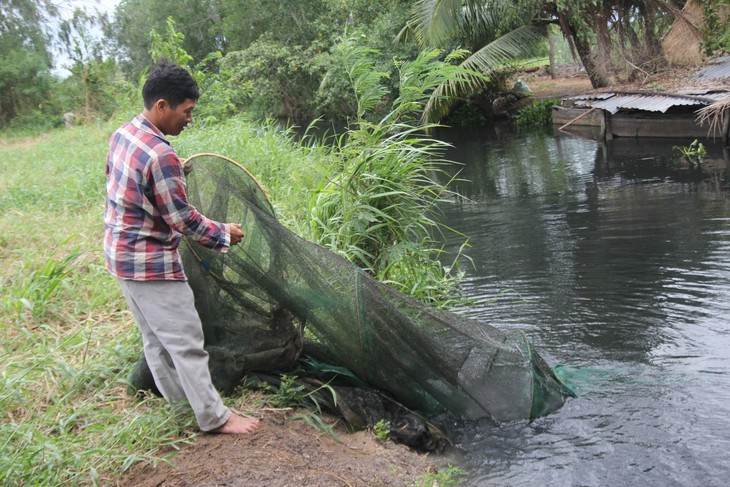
column 187, row 167
column 236, row 233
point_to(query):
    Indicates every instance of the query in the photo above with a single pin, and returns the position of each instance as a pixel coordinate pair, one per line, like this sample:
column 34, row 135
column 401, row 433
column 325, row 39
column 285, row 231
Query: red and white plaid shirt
column 147, row 210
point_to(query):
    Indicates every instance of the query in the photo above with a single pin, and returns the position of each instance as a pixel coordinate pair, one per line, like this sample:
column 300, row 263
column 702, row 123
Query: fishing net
column 255, row 300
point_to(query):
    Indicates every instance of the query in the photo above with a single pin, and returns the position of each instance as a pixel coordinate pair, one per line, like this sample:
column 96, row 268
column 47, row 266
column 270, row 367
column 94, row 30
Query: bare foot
column 238, row 425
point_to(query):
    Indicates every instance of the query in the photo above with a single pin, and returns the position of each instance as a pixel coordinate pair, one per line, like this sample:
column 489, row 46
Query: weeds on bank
column 378, row 205
column 381, row 429
column 289, row 392
column 444, row 477
column 536, row 115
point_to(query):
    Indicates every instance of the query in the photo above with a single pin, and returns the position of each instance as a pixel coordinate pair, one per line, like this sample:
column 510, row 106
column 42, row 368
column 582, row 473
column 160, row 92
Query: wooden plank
column 576, row 119
column 632, row 125
column 588, row 117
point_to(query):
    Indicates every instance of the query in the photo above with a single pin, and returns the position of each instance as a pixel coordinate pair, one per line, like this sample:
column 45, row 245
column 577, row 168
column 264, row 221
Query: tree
column 615, row 37
column 286, row 53
column 93, row 68
column 290, row 23
column 496, row 32
column 499, row 32
column 25, row 62
column 197, row 20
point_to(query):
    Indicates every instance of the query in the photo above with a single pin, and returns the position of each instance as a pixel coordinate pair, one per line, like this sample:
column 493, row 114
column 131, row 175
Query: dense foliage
column 716, row 32
column 538, row 114
column 271, row 58
column 25, row 79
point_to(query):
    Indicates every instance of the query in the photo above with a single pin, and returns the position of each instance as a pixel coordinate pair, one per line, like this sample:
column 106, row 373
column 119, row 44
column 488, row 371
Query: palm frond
column 436, row 21
column 483, row 21
column 501, row 53
column 514, row 45
column 716, row 116
column 422, row 76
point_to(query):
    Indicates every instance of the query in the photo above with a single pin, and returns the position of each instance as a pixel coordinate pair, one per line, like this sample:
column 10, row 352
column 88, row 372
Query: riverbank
column 71, row 343
column 675, row 79
column 285, row 452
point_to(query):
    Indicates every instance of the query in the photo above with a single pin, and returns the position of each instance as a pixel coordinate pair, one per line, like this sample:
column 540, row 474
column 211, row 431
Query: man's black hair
column 171, row 83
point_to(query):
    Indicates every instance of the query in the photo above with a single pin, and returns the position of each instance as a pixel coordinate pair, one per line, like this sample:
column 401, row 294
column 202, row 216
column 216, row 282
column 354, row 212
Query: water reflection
column 615, row 259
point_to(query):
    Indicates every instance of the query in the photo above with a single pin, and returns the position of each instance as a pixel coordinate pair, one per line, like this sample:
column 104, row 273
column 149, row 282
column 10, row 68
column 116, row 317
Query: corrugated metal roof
column 717, row 68
column 592, row 96
column 653, row 102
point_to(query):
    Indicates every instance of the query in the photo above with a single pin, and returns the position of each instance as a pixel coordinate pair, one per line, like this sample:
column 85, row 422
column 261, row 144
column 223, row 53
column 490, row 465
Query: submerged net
column 254, row 300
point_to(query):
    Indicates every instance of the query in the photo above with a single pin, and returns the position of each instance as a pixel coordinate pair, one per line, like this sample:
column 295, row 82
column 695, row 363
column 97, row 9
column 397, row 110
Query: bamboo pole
column 576, row 119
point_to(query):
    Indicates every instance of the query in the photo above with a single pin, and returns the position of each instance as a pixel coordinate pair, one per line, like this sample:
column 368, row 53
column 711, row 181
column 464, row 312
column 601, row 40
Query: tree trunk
column 597, row 74
column 652, row 41
column 552, row 56
column 602, row 58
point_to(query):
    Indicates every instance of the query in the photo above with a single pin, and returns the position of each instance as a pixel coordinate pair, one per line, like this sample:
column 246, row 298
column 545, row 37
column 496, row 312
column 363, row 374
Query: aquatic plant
column 694, row 153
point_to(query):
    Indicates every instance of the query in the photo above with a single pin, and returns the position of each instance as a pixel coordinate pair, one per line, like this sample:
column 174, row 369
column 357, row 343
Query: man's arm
column 168, row 187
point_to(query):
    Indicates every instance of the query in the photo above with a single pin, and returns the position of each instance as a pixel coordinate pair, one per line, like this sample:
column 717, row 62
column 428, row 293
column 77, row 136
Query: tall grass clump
column 35, row 290
column 378, row 205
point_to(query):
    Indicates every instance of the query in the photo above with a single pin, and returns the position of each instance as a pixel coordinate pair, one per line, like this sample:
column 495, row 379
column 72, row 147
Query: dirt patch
column 543, row 86
column 283, row 453
column 676, row 79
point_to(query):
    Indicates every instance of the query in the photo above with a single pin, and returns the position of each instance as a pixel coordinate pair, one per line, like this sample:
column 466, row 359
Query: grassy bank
column 68, row 339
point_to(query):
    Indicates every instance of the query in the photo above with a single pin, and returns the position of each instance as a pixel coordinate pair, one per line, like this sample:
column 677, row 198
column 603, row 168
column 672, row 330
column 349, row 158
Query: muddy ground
column 283, row 452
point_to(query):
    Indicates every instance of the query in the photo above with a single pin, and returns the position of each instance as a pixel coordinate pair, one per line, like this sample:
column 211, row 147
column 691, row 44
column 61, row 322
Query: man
column 147, row 212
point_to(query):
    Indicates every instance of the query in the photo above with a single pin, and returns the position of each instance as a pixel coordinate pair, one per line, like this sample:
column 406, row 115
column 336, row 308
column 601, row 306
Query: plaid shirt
column 147, row 210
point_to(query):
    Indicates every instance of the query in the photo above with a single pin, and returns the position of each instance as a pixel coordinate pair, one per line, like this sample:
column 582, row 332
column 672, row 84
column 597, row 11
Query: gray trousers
column 172, row 335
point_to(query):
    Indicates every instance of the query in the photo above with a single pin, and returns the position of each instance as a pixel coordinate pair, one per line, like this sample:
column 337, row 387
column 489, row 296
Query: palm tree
column 496, row 32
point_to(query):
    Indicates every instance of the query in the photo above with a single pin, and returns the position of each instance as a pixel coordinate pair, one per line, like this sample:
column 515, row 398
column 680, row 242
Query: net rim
column 237, row 164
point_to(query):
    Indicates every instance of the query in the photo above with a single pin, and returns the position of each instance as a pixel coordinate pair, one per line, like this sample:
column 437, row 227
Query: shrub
column 537, row 114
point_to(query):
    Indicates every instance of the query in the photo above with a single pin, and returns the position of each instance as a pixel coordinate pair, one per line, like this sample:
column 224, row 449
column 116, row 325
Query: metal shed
column 639, row 113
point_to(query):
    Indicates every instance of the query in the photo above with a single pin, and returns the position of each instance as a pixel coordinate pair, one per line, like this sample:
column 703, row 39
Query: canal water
column 615, row 260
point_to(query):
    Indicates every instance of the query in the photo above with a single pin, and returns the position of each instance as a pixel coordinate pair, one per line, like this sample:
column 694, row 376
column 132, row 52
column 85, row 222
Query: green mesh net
column 256, row 299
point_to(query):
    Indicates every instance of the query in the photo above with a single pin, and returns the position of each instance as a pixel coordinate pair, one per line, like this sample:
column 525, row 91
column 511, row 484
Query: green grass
column 68, row 339
column 286, row 168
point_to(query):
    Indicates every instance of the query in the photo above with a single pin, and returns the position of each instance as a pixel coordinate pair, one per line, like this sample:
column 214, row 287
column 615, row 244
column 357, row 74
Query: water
column 615, row 260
